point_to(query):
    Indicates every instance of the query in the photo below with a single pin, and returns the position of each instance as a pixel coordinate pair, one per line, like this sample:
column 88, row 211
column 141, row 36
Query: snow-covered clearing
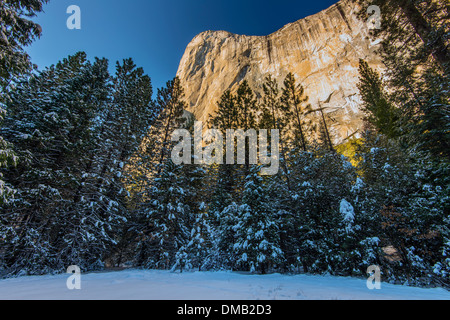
column 163, row 285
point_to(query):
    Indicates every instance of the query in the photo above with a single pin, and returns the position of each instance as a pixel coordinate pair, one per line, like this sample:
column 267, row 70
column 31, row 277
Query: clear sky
column 155, row 33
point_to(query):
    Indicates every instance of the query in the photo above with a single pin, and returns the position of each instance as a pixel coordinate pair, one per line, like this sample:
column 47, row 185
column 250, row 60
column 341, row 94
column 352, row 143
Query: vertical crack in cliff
column 269, row 50
column 343, row 15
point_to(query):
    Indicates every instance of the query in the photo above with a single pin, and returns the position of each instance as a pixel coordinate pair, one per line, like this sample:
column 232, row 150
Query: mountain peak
column 322, row 51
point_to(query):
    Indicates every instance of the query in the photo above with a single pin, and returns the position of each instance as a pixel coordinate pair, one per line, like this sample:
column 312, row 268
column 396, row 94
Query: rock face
column 322, row 51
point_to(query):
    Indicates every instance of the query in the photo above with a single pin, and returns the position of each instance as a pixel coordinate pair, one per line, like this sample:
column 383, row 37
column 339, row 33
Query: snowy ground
column 161, row 285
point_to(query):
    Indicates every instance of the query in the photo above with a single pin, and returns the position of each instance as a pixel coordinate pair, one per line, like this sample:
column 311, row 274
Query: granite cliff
column 322, row 51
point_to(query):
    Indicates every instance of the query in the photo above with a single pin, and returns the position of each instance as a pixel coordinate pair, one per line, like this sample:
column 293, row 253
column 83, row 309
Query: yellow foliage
column 349, row 148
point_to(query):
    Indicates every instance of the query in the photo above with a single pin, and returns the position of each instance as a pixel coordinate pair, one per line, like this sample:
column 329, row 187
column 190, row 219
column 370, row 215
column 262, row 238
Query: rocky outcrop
column 322, row 50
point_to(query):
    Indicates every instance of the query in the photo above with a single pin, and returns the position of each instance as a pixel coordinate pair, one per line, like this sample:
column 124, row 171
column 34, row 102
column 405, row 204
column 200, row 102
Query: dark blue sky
column 155, row 33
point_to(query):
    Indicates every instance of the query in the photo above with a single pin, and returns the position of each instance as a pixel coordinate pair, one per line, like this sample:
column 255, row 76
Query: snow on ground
column 163, row 285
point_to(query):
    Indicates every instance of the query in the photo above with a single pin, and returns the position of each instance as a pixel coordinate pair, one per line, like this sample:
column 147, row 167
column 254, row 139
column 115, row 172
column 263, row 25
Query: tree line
column 87, row 177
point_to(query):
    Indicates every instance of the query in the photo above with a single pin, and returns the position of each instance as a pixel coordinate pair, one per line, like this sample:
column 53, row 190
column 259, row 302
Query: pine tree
column 121, row 127
column 425, row 21
column 442, row 268
column 164, row 215
column 402, row 208
column 182, row 260
column 94, row 211
column 257, row 235
column 7, row 159
column 271, row 104
column 158, row 144
column 225, row 184
column 200, row 245
column 225, row 255
column 16, row 32
column 247, row 106
column 235, row 112
column 380, row 113
column 413, row 49
column 193, row 178
column 164, row 231
column 226, row 116
column 50, row 124
column 70, row 200
column 324, row 131
column 274, row 118
column 314, row 229
column 293, row 100
column 156, row 147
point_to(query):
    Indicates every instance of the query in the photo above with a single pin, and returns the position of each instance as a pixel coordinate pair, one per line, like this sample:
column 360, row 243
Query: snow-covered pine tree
column 17, row 32
column 122, row 127
column 442, row 268
column 257, row 240
column 182, row 261
column 164, row 231
column 7, row 159
column 49, row 125
column 193, row 179
column 403, row 209
column 89, row 220
column 398, row 174
column 70, row 198
column 226, row 180
column 200, row 245
column 162, row 218
column 315, row 230
column 169, row 101
column 156, row 147
column 223, row 176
